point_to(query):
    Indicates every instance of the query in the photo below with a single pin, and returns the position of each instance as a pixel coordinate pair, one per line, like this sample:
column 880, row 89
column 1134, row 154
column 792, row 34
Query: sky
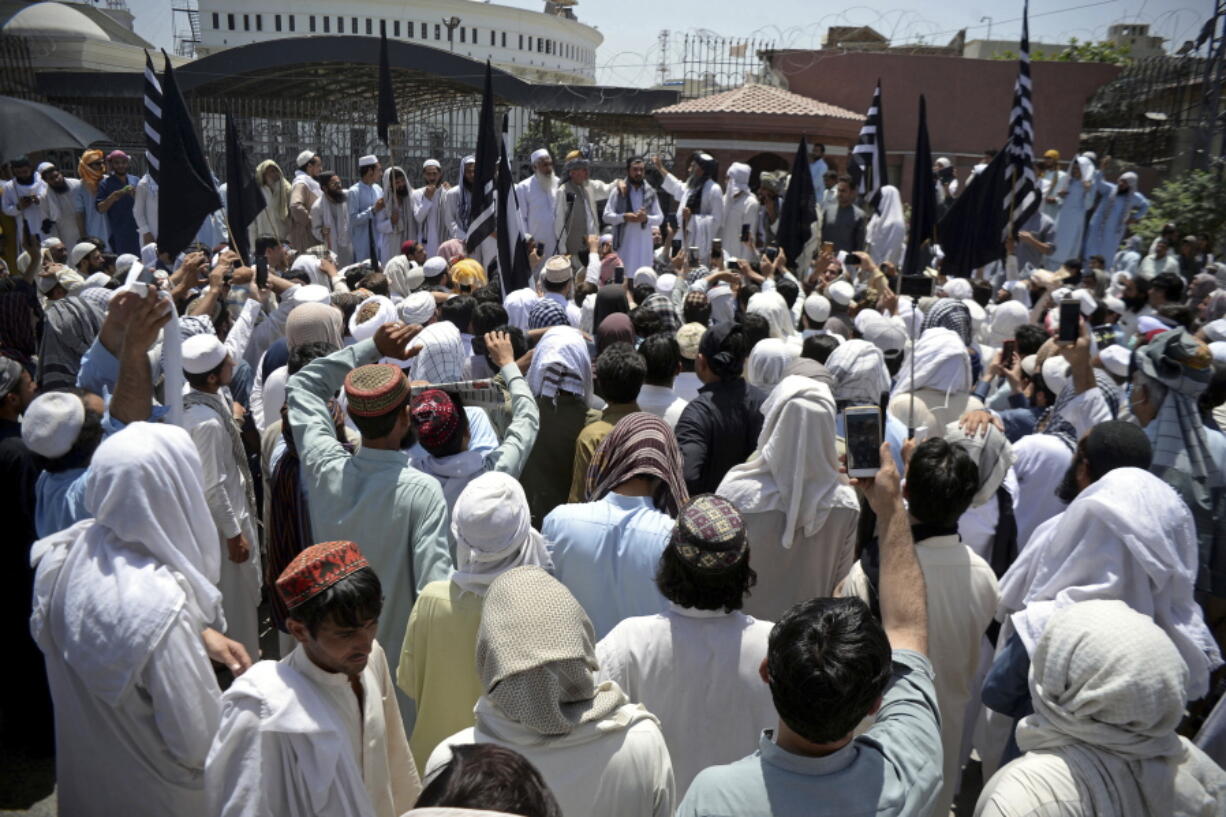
column 630, row 53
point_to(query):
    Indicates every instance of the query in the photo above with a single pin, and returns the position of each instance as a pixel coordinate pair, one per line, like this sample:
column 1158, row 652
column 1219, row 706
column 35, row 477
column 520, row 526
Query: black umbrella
column 28, row 127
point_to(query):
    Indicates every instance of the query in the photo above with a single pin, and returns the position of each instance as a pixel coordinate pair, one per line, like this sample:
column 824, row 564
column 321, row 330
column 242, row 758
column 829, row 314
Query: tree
column 1077, row 51
column 1194, row 201
column 559, row 141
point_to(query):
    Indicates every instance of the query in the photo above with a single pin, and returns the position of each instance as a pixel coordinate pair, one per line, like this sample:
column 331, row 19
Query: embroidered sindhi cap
column 710, row 534
column 316, row 569
column 375, row 389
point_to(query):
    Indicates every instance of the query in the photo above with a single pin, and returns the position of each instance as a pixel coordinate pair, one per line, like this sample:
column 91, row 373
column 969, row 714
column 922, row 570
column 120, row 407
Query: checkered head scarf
column 663, row 306
column 710, row 534
column 546, row 313
column 950, row 314
column 1181, row 366
column 640, row 445
column 442, row 356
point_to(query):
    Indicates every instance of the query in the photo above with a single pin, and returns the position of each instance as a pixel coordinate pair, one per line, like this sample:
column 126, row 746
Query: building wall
column 969, row 101
column 535, row 46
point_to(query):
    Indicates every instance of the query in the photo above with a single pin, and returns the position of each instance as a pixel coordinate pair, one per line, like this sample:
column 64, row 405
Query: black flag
column 969, row 232
column 387, row 98
column 923, row 199
column 513, row 267
column 867, row 165
column 798, row 213
column 187, row 194
column 1022, row 199
column 153, row 116
column 482, row 218
column 244, row 201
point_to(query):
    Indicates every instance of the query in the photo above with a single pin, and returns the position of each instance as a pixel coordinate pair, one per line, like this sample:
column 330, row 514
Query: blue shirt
column 83, row 201
column 120, row 220
column 606, row 553
column 60, row 501
column 892, row 770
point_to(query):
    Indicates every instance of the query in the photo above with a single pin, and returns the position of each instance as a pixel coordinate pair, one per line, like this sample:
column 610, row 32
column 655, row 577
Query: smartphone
column 261, row 272
column 619, row 275
column 851, row 260
column 693, row 256
column 1008, row 352
column 827, row 248
column 717, row 246
column 744, row 233
column 570, row 199
column 862, row 430
column 676, row 245
column 916, row 286
column 671, row 220
column 771, row 252
column 1070, row 320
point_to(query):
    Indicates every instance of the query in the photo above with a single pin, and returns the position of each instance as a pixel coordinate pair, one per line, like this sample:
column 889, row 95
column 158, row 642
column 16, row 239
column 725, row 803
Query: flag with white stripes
column 1022, row 197
column 514, row 270
column 153, row 119
column 482, row 214
column 867, row 167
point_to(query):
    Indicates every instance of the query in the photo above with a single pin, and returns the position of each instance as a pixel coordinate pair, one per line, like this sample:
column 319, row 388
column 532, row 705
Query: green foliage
column 1194, row 201
column 559, row 141
column 1077, row 51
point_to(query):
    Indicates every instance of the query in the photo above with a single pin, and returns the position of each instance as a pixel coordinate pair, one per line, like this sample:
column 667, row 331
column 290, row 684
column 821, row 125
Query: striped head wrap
column 640, row 445
column 950, row 314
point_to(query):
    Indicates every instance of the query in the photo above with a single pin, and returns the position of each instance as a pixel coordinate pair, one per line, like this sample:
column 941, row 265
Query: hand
column 25, row 201
column 193, row 265
column 658, row 163
column 238, row 412
column 976, row 422
column 217, row 275
column 225, row 651
column 884, row 491
column 141, row 319
column 240, row 549
column 327, row 267
column 392, row 340
column 593, row 243
column 380, row 204
column 888, row 303
column 621, row 187
column 1024, row 234
column 431, row 189
column 995, row 368
column 498, row 347
column 685, row 213
column 146, row 238
column 908, row 448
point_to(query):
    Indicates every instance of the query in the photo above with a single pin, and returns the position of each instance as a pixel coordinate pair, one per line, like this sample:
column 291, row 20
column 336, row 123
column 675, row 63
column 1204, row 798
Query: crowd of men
column 346, row 529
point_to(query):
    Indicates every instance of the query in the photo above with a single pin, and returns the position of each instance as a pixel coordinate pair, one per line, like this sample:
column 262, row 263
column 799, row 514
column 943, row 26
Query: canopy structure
column 28, row 127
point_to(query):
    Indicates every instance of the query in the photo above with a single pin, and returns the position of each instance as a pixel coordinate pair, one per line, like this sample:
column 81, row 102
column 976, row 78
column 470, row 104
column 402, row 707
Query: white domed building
column 64, row 36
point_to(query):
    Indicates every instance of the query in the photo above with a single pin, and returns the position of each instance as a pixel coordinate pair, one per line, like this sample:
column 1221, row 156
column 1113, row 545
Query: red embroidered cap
column 316, row 569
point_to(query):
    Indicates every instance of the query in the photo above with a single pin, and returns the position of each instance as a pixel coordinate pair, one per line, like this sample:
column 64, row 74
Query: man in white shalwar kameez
column 705, row 574
column 228, row 487
column 318, row 733
column 740, row 210
column 59, row 205
column 121, row 602
column 1119, row 205
column 633, row 214
column 21, row 199
column 537, row 200
column 700, row 203
column 365, row 202
column 394, row 224
column 330, row 219
column 428, row 208
column 303, row 194
column 456, row 201
column 575, row 215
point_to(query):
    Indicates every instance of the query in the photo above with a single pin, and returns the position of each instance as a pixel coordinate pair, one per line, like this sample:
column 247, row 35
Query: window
column 291, row 22
column 259, row 22
column 327, row 25
column 408, row 29
column 491, row 37
column 311, row 22
column 354, row 28
column 474, row 35
column 276, row 22
column 230, row 21
column 540, row 45
column 521, row 41
column 438, row 31
column 462, row 35
column 340, row 25
column 395, row 28
column 246, row 22
column 369, row 27
column 504, row 39
column 216, row 21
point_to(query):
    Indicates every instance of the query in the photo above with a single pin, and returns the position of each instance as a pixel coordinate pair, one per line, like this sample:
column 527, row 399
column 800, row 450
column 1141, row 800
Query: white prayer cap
column 202, row 353
column 1218, row 350
column 431, row 163
column 1115, row 359
column 435, row 266
column 606, row 238
column 1215, row 330
column 666, row 283
column 417, row 308
column 48, row 243
column 1088, row 304
column 540, row 153
column 149, row 255
column 48, row 280
column 98, row 279
column 79, row 253
column 312, row 294
column 645, row 276
column 43, row 167
column 368, row 160
column 886, row 335
column 1029, row 363
column 1055, row 373
column 558, row 270
column 817, row 307
column 959, row 288
column 943, row 162
column 304, row 158
column 841, row 292
column 23, row 261
column 1114, row 304
column 52, row 422
column 863, row 317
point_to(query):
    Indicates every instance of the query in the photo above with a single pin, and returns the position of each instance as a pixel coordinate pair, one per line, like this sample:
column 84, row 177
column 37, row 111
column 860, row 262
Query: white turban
column 417, row 308
column 539, row 153
column 493, row 532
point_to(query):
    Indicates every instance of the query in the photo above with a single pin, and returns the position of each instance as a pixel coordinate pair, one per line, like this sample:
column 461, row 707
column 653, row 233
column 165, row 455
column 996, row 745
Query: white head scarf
column 774, row 308
column 738, row 180
column 397, row 270
column 310, row 265
column 1108, row 691
column 941, row 363
column 364, row 330
column 991, row 452
column 519, row 303
column 859, row 371
column 795, row 469
column 108, row 588
column 1130, row 537
column 767, row 360
column 561, row 363
column 417, row 308
column 442, row 356
column 493, row 532
column 1006, row 319
column 887, row 230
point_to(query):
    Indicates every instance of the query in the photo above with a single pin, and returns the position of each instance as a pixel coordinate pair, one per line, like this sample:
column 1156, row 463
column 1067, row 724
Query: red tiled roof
column 760, row 99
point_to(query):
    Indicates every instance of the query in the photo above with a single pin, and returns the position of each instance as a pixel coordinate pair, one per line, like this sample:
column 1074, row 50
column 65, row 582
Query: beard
column 402, row 192
column 636, row 182
column 337, row 196
column 62, row 187
column 1068, row 489
column 1137, row 303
